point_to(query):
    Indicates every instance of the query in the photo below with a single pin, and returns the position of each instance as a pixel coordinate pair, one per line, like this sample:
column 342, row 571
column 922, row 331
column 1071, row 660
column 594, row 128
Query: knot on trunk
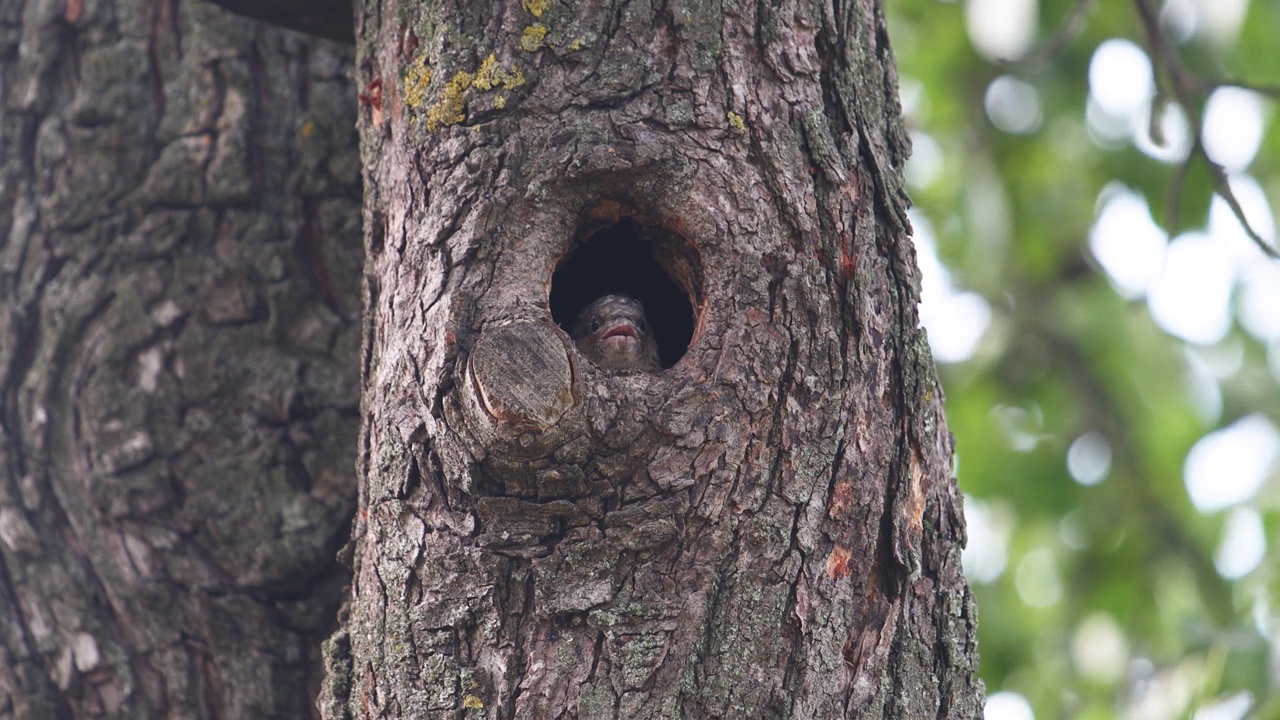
column 522, row 377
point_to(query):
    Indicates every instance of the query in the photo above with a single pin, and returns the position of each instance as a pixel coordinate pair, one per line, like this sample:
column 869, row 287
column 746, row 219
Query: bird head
column 614, row 333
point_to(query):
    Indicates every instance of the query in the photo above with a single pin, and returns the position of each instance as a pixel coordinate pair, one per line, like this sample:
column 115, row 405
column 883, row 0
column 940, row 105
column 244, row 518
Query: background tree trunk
column 767, row 529
column 179, row 268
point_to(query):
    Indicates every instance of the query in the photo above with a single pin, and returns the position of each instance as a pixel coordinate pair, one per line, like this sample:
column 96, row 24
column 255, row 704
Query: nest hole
column 658, row 267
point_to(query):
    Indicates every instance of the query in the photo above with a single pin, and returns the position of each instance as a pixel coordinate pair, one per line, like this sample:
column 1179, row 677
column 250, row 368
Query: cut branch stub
column 522, row 376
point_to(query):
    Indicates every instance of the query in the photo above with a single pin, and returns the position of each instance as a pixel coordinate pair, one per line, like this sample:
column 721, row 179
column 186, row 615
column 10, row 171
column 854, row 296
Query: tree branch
column 1165, row 60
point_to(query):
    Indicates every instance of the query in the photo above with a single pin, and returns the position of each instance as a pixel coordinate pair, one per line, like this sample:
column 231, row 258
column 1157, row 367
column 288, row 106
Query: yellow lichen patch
column 450, row 109
column 416, row 80
column 575, row 44
column 308, row 129
column 537, row 7
column 492, row 75
column 737, row 123
column 531, row 37
column 471, row 702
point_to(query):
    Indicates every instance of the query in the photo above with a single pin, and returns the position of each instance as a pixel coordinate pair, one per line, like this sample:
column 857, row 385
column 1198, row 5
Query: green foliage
column 1109, row 602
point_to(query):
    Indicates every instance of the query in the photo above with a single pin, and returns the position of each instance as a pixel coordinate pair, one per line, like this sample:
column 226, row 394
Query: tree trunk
column 179, row 268
column 769, row 527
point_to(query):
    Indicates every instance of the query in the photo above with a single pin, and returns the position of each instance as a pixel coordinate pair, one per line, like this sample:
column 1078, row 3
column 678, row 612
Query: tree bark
column 769, row 528
column 179, row 267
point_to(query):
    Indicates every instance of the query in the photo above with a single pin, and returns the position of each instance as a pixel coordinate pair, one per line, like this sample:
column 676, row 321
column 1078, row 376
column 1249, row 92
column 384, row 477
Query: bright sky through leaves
column 1109, row 336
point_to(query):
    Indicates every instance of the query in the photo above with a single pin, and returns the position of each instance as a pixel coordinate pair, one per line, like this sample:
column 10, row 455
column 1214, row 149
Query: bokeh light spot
column 1006, row 705
column 1232, row 128
column 1013, row 105
column 1001, row 29
column 1089, row 458
column 1099, row 650
column 1259, row 301
column 1180, row 19
column 1220, row 20
column 989, row 526
column 1228, row 466
column 1244, row 544
column 1120, row 77
column 1191, row 298
column 955, row 320
column 1127, row 242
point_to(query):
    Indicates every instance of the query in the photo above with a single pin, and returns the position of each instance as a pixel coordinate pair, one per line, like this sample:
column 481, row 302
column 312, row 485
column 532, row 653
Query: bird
column 614, row 334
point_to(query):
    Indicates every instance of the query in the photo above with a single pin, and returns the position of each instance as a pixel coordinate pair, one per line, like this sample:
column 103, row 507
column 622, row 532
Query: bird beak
column 622, row 328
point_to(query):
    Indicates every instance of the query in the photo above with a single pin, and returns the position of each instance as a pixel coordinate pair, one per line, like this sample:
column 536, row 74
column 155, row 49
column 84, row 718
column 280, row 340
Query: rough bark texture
column 769, row 528
column 179, row 336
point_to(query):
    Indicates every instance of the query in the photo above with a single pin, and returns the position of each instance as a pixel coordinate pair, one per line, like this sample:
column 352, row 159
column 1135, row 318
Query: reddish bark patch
column 372, row 96
column 848, row 258
column 838, row 562
column 408, row 46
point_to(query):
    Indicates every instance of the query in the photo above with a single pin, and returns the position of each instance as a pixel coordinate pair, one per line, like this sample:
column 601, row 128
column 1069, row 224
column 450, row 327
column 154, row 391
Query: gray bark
column 770, row 527
column 179, row 275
